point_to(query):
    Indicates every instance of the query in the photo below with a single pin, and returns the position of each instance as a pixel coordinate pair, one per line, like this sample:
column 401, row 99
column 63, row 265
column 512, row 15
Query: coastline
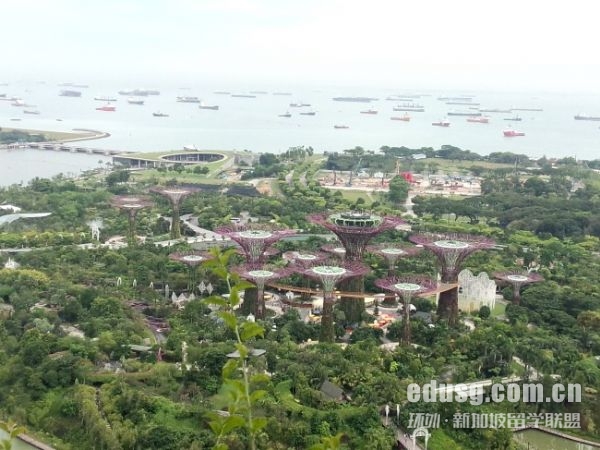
column 65, row 136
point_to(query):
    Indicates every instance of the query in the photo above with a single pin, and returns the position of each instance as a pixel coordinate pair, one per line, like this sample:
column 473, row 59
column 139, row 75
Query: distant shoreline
column 65, row 136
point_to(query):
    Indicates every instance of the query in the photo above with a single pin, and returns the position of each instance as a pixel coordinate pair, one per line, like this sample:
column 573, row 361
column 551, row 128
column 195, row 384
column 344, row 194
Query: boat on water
column 414, row 107
column 354, row 99
column 107, row 108
column 243, row 95
column 287, row 114
column 188, row 99
column 455, row 99
column 135, row 101
column 31, row 111
column 259, row 92
column 139, row 92
column 514, row 118
column 463, row 103
column 341, row 127
column 222, row 92
column 586, row 117
column 478, row 119
column 69, row 93
column 527, row 109
column 18, row 102
column 105, row 99
column 159, row 114
column 405, row 118
column 308, row 113
column 203, row 106
column 299, row 105
column 369, row 111
column 395, row 98
column 441, row 123
column 496, row 110
column 512, row 133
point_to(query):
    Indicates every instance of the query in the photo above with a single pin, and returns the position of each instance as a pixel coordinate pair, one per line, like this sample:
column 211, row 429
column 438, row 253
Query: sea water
column 254, row 123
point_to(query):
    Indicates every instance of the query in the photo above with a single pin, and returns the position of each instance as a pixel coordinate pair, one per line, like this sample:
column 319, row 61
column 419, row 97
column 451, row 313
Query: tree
column 484, row 312
column 399, row 188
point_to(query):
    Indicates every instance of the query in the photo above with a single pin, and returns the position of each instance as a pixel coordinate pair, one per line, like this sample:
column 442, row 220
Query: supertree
column 259, row 277
column 451, row 250
column 253, row 242
column 355, row 230
column 392, row 253
column 304, row 260
column 335, row 249
column 407, row 288
column 192, row 259
column 175, row 195
column 518, row 279
column 132, row 205
column 329, row 276
column 268, row 253
column 255, row 245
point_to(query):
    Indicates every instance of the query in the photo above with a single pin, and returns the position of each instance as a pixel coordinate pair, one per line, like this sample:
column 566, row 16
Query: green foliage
column 238, row 395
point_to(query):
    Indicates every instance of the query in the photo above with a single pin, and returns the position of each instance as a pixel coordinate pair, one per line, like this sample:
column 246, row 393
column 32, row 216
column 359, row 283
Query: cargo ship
column 106, row 108
column 105, row 99
column 341, row 127
column 188, row 99
column 410, row 107
column 133, row 101
column 354, row 99
column 203, row 106
column 69, row 93
column 586, row 117
column 478, row 119
column 441, row 123
column 369, row 111
column 513, row 133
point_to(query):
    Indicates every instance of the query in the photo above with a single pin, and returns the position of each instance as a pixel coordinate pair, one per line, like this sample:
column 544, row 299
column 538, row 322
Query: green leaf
column 257, row 395
column 215, row 300
column 258, row 423
column 243, row 350
column 228, row 318
column 260, row 378
column 230, row 368
column 232, row 423
column 250, row 330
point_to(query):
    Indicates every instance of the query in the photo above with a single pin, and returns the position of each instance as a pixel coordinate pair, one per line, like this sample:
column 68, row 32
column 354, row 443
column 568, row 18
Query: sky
column 433, row 44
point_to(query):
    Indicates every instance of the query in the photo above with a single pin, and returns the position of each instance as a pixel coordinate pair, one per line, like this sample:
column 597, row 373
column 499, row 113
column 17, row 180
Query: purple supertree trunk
column 451, row 250
column 518, row 279
column 330, row 276
column 192, row 259
column 176, row 195
column 355, row 230
column 407, row 288
column 392, row 254
column 132, row 205
column 260, row 277
column 254, row 242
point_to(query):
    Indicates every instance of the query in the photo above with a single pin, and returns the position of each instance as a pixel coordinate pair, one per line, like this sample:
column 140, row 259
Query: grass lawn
column 53, row 135
column 499, row 308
